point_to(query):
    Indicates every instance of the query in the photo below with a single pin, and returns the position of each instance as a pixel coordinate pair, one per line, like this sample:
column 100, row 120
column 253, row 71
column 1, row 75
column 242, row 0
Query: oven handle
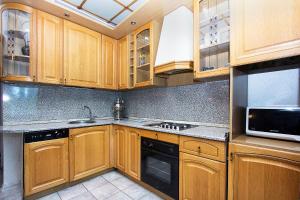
column 160, row 153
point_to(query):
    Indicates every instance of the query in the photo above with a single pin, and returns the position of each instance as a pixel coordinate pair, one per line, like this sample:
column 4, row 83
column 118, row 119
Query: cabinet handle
column 33, row 77
column 65, row 81
column 71, row 137
column 199, row 149
column 231, row 156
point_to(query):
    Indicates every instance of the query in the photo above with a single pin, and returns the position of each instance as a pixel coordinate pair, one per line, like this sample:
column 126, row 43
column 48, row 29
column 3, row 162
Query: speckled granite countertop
column 207, row 131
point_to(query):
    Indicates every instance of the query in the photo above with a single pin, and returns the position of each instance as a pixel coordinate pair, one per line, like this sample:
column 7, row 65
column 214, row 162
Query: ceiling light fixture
column 133, row 23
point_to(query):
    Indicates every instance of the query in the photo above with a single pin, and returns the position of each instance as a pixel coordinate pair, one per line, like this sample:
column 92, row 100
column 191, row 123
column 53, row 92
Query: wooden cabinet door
column 46, row 165
column 50, row 48
column 89, row 151
column 121, row 158
column 264, row 30
column 263, row 174
column 109, row 63
column 82, row 56
column 123, row 71
column 18, row 31
column 201, row 178
column 133, row 153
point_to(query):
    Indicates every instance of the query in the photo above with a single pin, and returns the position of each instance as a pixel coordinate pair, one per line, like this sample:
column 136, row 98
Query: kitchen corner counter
column 205, row 131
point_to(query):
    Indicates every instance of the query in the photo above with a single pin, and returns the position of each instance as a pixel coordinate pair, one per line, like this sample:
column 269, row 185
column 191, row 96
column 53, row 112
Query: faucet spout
column 90, row 112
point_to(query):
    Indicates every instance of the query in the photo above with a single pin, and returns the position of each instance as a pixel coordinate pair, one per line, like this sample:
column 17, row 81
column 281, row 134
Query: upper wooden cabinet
column 82, row 56
column 18, row 38
column 211, row 38
column 257, row 173
column 46, row 165
column 146, row 40
column 201, row 178
column 89, row 151
column 123, row 55
column 264, row 30
column 109, row 63
column 50, row 48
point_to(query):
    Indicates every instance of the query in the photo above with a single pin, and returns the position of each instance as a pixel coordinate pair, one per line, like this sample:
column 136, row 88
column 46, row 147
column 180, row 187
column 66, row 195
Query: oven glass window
column 159, row 169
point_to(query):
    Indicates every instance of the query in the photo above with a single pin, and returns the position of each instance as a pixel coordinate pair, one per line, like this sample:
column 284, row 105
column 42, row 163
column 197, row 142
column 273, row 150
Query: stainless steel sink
column 82, row 122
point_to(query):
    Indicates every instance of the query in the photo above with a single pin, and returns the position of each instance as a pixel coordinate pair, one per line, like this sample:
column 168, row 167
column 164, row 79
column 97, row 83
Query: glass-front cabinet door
column 17, row 62
column 212, row 25
column 143, row 60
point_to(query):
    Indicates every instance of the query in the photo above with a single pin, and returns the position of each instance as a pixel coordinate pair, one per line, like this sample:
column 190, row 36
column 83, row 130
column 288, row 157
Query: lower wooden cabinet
column 128, row 150
column 120, row 148
column 46, row 165
column 201, row 178
column 89, row 151
column 133, row 153
column 257, row 173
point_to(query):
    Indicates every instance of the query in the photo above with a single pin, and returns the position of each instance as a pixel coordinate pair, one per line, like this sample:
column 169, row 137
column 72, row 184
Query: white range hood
column 175, row 48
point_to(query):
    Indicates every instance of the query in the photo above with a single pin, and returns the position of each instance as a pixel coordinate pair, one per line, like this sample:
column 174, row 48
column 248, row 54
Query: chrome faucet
column 92, row 118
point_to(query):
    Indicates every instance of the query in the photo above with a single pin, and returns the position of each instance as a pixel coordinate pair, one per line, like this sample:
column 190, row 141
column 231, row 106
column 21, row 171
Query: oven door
column 160, row 171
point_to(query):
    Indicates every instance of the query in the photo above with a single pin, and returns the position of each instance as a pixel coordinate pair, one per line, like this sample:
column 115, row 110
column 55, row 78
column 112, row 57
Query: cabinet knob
column 71, row 137
column 199, row 149
column 33, row 77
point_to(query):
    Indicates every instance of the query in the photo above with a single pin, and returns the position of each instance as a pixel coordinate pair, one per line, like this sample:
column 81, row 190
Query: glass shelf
column 214, row 19
column 16, row 43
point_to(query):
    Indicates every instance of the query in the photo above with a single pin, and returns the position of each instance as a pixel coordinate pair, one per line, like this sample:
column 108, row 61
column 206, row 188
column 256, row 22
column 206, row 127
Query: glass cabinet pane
column 143, row 56
column 214, row 34
column 16, row 43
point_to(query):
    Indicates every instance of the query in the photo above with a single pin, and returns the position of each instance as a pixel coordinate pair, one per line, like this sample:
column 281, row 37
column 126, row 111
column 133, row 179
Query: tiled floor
column 110, row 186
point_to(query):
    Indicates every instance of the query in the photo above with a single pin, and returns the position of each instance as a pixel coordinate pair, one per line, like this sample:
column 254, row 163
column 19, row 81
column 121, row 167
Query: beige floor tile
column 119, row 196
column 71, row 192
column 104, row 191
column 110, row 176
column 84, row 196
column 151, row 196
column 94, row 183
column 53, row 196
column 122, row 183
column 135, row 191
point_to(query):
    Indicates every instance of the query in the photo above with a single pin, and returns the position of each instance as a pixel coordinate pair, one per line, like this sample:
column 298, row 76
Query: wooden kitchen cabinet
column 121, row 153
column 123, row 55
column 215, row 150
column 201, row 178
column 18, row 42
column 46, row 165
column 89, row 151
column 146, row 40
column 82, row 56
column 264, row 30
column 50, row 48
column 257, row 173
column 109, row 63
column 133, row 143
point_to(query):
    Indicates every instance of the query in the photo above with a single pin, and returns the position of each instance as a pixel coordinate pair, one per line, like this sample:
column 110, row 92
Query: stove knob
column 168, row 126
column 177, row 128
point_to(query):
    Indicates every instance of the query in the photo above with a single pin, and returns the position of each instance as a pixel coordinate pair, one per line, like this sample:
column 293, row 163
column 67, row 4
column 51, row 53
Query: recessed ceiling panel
column 103, row 8
column 121, row 17
column 110, row 12
column 125, row 2
column 75, row 2
column 137, row 4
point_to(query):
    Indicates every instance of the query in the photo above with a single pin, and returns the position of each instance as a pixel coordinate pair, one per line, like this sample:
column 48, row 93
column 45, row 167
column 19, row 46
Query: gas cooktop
column 171, row 126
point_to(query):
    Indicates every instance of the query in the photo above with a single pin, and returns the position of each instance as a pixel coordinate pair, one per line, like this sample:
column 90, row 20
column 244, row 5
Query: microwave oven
column 274, row 122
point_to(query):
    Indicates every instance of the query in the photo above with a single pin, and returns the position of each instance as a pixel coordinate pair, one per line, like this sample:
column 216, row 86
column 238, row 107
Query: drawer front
column 171, row 138
column 206, row 148
column 149, row 134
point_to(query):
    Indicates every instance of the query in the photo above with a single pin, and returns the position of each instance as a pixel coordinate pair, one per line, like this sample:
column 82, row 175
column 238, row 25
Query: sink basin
column 82, row 122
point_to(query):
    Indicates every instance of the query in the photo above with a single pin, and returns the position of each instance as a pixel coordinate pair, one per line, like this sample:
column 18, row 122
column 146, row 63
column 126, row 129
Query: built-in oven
column 160, row 166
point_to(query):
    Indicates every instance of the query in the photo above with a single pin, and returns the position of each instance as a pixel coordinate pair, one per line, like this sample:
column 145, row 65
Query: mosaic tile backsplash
column 204, row 102
column 37, row 103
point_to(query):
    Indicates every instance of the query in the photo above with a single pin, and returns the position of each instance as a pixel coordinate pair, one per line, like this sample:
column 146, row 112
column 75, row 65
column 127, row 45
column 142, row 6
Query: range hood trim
column 174, row 67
